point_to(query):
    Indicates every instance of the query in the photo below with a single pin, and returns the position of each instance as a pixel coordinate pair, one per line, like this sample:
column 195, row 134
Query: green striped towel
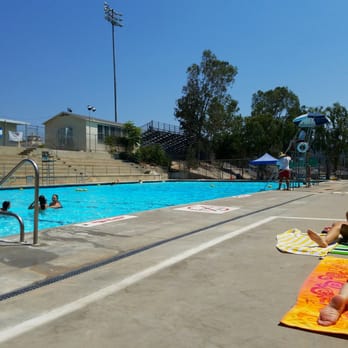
column 341, row 249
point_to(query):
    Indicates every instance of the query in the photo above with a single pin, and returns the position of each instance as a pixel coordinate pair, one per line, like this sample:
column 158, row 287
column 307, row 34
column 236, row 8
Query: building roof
column 83, row 117
column 5, row 120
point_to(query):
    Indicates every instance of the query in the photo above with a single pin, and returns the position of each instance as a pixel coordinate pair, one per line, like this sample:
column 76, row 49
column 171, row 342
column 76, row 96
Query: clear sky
column 56, row 54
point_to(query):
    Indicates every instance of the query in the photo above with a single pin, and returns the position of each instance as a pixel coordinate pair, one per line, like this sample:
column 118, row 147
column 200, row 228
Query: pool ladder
column 36, row 200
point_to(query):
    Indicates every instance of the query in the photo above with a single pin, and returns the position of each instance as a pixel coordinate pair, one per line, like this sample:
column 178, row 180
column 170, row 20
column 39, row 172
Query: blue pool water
column 87, row 203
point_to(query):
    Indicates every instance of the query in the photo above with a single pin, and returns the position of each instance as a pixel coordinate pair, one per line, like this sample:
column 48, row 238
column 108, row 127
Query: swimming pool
column 92, row 202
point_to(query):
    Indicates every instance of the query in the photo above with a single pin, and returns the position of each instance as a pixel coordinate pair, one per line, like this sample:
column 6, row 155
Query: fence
column 163, row 127
column 240, row 169
column 32, row 135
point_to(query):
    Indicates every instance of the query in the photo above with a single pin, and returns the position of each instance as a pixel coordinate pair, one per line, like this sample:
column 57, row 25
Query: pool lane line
column 115, row 258
column 98, row 295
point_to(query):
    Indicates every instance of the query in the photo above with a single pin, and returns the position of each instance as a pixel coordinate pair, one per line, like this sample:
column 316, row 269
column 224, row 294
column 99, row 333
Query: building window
column 101, row 136
column 65, row 137
column 104, row 131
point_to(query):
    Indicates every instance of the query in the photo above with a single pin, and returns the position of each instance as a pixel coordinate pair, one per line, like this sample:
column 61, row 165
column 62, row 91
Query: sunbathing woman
column 337, row 230
column 338, row 304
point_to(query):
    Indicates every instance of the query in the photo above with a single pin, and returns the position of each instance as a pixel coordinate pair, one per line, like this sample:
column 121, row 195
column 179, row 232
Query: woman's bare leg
column 338, row 304
column 334, row 233
column 315, row 237
column 331, row 236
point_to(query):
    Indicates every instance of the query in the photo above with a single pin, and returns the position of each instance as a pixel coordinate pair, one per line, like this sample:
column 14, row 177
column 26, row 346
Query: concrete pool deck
column 215, row 245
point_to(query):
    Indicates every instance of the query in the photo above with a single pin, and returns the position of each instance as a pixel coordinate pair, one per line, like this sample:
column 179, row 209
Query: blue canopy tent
column 266, row 159
column 263, row 172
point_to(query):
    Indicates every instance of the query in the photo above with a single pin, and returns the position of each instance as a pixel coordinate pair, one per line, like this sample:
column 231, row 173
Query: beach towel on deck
column 296, row 242
column 341, row 249
column 324, row 282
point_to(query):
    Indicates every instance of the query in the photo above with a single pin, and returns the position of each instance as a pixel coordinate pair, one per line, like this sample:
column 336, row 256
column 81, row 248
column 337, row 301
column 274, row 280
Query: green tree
column 279, row 102
column 231, row 142
column 261, row 135
column 115, row 143
column 274, row 111
column 153, row 154
column 132, row 136
column 332, row 140
column 205, row 101
column 220, row 121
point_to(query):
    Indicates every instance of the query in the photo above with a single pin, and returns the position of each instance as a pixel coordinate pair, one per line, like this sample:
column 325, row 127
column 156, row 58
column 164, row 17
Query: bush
column 153, row 154
column 125, row 156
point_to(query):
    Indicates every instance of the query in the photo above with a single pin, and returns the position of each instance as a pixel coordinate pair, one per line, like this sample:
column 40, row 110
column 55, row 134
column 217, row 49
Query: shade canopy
column 311, row 119
column 266, row 159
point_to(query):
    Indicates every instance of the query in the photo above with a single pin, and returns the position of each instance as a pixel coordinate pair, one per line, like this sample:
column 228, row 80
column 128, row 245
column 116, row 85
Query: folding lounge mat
column 324, row 282
column 341, row 249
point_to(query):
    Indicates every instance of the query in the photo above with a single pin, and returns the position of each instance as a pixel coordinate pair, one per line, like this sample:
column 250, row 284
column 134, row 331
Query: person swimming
column 5, row 205
column 42, row 203
column 55, row 202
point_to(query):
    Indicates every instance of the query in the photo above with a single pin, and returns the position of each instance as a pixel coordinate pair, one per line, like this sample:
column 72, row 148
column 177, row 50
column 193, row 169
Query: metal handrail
column 20, row 220
column 36, row 194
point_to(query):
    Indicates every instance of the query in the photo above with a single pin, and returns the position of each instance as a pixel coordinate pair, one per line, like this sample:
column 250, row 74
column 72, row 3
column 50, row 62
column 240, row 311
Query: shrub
column 153, row 154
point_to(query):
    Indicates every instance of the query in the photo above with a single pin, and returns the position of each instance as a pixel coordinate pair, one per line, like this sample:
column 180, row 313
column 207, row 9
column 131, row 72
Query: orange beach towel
column 324, row 282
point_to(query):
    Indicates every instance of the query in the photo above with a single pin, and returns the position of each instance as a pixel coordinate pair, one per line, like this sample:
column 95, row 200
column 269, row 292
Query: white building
column 9, row 134
column 69, row 131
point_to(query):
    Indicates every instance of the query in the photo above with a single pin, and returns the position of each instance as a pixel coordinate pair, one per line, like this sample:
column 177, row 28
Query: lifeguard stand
column 47, row 168
column 300, row 146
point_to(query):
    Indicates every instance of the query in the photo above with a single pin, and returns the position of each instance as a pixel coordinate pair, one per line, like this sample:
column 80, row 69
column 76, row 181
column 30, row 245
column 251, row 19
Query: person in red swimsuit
column 284, row 170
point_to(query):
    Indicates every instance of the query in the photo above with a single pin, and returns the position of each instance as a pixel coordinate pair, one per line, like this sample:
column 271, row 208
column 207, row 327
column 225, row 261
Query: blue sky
column 58, row 53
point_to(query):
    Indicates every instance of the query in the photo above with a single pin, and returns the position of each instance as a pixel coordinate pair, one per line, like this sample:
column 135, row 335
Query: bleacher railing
column 162, row 127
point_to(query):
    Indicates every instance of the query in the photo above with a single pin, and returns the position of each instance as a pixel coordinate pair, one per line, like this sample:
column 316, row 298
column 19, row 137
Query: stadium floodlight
column 116, row 21
column 93, row 109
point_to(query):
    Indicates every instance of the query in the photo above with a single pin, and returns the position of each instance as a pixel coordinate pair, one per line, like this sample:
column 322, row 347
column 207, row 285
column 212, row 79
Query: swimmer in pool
column 42, row 203
column 55, row 202
column 5, row 205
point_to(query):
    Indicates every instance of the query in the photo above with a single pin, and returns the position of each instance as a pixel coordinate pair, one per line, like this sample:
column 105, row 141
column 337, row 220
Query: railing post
column 36, row 194
column 20, row 220
column 36, row 208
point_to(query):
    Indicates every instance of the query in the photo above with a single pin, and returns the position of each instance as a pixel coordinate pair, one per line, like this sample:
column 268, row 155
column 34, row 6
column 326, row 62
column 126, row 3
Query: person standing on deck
column 284, row 170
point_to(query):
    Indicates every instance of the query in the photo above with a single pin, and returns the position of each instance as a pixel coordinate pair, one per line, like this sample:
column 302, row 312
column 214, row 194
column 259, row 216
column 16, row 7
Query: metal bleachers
column 171, row 138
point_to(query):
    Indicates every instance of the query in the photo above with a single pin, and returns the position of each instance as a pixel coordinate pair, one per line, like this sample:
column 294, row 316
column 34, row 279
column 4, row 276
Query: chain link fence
column 33, row 136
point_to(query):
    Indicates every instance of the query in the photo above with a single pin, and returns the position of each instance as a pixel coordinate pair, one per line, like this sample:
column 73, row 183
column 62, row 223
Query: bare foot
column 316, row 238
column 330, row 314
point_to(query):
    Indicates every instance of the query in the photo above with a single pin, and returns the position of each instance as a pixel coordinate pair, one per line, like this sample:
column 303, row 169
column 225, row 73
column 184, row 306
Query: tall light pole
column 115, row 19
column 90, row 108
